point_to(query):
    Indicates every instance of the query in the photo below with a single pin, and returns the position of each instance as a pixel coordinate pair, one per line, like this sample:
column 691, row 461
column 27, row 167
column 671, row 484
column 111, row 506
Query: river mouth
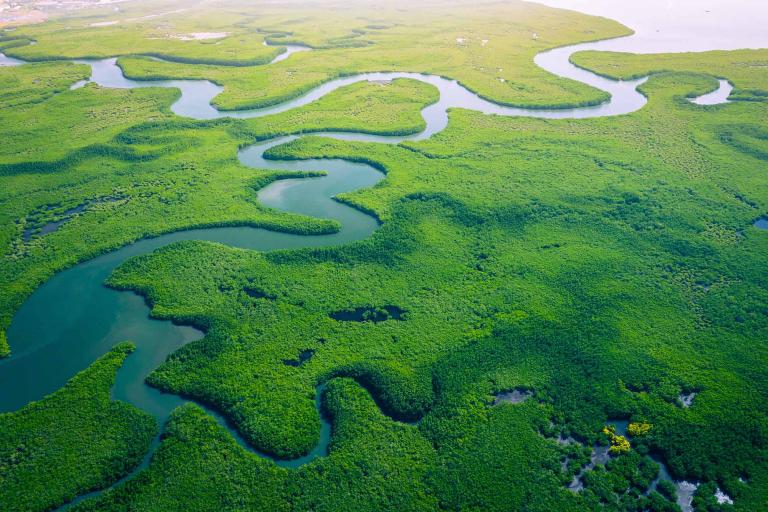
column 48, row 353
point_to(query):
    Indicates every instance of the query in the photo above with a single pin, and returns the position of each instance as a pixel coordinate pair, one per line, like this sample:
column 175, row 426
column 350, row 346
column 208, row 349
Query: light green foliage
column 618, row 443
column 489, row 48
column 639, row 429
column 169, row 30
column 746, row 69
column 7, row 42
column 390, row 108
column 38, row 136
column 35, row 83
column 73, row 441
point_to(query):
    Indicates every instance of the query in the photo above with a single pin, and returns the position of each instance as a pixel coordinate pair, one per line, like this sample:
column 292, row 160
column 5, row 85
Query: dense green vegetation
column 72, row 441
column 605, row 266
column 375, row 464
column 43, row 133
column 388, row 108
column 600, row 263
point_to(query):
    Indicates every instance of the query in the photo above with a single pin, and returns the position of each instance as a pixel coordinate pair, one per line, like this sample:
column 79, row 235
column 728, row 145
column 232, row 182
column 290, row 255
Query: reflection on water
column 290, row 49
column 661, row 26
column 51, row 343
column 516, row 396
column 686, row 399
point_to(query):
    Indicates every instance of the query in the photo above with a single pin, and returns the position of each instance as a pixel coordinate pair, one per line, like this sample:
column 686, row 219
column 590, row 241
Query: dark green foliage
column 667, row 490
column 72, row 441
column 216, row 473
column 704, row 500
column 374, row 464
column 629, row 473
column 401, row 392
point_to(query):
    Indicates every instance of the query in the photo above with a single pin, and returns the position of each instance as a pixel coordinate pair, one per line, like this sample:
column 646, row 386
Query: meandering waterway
column 48, row 353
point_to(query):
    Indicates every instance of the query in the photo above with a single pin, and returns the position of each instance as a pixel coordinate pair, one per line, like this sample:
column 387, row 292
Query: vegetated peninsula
column 290, row 256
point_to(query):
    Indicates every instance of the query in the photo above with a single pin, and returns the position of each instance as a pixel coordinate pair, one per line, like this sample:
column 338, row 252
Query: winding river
column 47, row 354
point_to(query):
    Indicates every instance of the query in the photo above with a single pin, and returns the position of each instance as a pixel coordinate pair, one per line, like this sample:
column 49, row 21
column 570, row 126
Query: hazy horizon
column 685, row 25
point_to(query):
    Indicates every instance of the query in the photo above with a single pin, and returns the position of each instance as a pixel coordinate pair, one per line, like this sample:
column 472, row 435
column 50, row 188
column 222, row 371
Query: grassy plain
column 168, row 30
column 41, row 129
column 36, row 83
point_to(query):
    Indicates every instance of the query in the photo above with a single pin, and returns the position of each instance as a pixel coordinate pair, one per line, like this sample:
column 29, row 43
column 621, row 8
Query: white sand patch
column 197, row 36
column 483, row 42
column 103, row 23
column 156, row 15
column 723, row 498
